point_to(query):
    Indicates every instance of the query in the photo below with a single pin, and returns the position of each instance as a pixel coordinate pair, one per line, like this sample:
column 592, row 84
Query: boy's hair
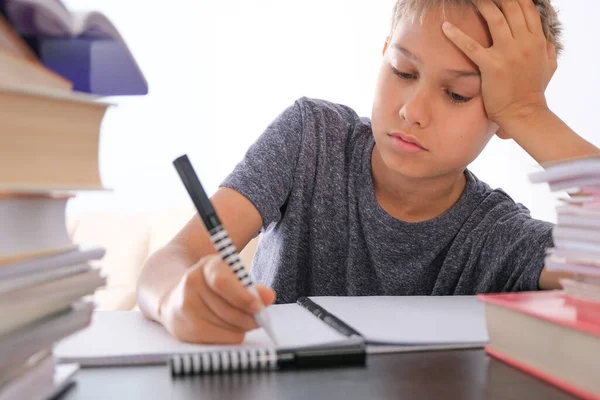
column 417, row 8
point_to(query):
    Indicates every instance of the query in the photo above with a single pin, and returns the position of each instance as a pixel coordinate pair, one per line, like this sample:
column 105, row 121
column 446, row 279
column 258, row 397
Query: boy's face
column 428, row 91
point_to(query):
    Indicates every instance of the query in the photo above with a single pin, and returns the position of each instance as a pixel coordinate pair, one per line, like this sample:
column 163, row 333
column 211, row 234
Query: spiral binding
column 226, row 249
column 208, row 363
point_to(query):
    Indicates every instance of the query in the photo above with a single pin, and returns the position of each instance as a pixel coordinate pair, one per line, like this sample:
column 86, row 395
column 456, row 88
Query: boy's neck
column 414, row 200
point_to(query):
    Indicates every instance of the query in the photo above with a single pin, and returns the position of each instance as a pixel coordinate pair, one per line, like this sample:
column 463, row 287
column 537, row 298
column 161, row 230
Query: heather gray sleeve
column 266, row 173
column 512, row 249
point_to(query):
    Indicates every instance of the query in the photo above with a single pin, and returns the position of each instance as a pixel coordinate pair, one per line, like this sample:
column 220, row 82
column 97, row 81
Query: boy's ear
column 385, row 45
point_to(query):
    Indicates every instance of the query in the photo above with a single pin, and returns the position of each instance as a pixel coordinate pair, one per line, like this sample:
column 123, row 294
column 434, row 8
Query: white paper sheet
column 127, row 337
column 412, row 320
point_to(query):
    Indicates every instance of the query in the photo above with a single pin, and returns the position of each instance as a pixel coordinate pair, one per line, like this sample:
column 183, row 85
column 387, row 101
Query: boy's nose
column 417, row 107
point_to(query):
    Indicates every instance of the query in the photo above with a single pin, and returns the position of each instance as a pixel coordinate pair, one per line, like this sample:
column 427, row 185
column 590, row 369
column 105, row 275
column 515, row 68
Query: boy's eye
column 457, row 98
column 403, row 75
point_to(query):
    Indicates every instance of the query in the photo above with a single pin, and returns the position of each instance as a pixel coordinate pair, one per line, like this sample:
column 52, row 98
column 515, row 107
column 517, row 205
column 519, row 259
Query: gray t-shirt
column 325, row 234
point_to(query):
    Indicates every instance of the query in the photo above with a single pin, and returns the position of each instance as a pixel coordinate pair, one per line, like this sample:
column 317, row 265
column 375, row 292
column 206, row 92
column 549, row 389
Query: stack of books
column 577, row 232
column 49, row 142
column 84, row 47
column 555, row 335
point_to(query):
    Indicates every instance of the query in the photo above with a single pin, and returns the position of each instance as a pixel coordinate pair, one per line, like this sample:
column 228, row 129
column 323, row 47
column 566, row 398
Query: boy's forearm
column 160, row 274
column 547, row 138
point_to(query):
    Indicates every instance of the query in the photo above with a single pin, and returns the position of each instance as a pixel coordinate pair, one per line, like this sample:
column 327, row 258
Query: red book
column 548, row 335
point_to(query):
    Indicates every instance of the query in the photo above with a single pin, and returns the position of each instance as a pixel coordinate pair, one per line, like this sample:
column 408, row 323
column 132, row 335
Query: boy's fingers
column 232, row 317
column 196, row 306
column 515, row 17
column 473, row 50
column 532, row 17
column 221, row 279
column 496, row 21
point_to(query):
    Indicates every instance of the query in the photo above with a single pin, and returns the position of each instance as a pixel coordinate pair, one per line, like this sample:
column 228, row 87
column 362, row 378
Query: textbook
column 385, row 324
column 49, row 141
column 548, row 335
column 84, row 47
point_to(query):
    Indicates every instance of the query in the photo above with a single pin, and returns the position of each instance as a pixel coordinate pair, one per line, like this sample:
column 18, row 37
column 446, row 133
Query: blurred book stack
column 555, row 335
column 49, row 142
column 577, row 232
column 82, row 46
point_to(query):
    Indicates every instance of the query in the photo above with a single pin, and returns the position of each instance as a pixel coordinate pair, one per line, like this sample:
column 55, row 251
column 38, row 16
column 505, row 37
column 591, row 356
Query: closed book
column 99, row 66
column 44, row 333
column 22, row 268
column 32, row 224
column 83, row 46
column 548, row 334
column 49, row 141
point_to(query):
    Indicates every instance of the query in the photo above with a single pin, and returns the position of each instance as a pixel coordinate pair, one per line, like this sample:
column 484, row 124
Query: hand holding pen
column 215, row 301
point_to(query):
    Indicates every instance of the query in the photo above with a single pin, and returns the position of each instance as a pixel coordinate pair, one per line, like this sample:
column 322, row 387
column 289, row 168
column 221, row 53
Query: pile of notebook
column 556, row 335
column 49, row 139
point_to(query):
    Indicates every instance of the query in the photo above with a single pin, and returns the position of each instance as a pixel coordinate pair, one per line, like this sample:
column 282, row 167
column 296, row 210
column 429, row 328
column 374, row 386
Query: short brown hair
column 417, row 8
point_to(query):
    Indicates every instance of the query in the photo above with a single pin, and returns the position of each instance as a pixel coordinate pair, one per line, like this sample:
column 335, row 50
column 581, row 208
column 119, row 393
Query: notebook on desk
column 386, row 324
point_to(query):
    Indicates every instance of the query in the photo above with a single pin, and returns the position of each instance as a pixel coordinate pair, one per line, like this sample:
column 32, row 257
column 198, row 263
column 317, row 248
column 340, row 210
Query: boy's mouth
column 406, row 143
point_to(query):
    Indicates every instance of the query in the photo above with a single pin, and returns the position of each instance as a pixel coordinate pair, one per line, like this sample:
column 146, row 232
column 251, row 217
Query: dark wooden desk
column 429, row 375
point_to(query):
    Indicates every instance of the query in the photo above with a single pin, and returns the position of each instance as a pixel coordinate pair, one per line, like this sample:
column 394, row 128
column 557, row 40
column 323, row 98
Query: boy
column 348, row 206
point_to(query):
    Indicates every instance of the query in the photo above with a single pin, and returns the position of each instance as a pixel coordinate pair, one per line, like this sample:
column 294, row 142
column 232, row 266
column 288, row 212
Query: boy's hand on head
column 517, row 68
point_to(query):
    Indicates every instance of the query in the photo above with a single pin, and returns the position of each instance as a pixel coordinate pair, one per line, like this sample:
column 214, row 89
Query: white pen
column 219, row 236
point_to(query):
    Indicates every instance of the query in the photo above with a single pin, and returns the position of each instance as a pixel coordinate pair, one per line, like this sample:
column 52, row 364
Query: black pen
column 268, row 359
column 328, row 318
column 219, row 236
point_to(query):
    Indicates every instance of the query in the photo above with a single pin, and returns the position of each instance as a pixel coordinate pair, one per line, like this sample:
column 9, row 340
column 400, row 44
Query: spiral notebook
column 385, row 324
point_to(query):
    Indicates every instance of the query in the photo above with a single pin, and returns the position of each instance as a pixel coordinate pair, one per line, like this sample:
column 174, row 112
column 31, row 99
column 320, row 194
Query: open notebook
column 387, row 324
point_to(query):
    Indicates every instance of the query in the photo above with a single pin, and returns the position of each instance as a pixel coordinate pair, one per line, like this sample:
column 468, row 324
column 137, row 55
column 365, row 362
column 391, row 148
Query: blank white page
column 127, row 337
column 412, row 320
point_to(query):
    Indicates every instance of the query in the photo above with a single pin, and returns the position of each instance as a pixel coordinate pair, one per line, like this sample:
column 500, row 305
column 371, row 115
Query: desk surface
column 445, row 375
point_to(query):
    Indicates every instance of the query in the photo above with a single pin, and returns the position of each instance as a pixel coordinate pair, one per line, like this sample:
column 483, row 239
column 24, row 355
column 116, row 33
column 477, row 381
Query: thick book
column 32, row 224
column 49, row 141
column 547, row 334
column 384, row 324
column 102, row 67
column 84, row 47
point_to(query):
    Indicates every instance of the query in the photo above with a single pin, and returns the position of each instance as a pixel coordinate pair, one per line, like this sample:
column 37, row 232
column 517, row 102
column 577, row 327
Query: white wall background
column 220, row 71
